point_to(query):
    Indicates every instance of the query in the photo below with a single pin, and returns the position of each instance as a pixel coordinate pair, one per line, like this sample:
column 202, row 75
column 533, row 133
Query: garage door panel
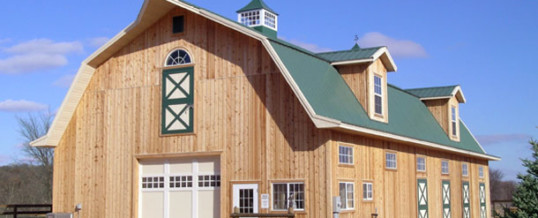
column 208, row 165
column 152, row 204
column 152, row 168
column 180, row 204
column 181, row 167
column 209, row 202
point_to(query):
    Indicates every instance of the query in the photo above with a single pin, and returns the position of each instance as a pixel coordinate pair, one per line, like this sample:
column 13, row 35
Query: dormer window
column 378, row 95
column 453, row 121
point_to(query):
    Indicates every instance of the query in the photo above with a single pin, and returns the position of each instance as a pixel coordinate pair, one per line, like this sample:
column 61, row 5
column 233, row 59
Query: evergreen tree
column 526, row 196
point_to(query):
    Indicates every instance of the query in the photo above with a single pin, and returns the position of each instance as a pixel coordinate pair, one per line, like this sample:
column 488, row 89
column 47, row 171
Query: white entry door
column 245, row 197
column 180, row 188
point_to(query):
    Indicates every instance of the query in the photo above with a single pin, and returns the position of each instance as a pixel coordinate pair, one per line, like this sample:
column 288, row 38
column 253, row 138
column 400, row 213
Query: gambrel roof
column 324, row 94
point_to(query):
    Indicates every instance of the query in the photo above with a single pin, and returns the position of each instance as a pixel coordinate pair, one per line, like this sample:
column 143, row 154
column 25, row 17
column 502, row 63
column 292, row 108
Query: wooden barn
column 186, row 113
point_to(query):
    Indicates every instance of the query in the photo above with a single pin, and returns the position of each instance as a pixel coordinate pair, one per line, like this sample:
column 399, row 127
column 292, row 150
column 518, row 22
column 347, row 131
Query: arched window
column 178, row 57
column 178, row 94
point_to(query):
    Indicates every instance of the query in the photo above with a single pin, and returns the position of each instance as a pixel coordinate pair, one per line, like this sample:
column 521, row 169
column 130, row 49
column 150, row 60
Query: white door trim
column 236, row 188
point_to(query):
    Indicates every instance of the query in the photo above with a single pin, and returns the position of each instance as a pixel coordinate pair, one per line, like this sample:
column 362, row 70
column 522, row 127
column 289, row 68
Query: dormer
column 443, row 102
column 365, row 72
column 260, row 17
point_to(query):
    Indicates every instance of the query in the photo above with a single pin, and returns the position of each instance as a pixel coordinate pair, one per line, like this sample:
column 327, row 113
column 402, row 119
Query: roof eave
column 382, row 53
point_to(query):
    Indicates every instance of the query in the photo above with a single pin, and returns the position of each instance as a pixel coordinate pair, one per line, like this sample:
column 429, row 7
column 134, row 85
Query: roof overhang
column 457, row 92
column 382, row 53
column 152, row 12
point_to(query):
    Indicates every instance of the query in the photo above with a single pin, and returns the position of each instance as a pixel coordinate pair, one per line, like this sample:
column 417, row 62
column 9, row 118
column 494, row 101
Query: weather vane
column 356, row 38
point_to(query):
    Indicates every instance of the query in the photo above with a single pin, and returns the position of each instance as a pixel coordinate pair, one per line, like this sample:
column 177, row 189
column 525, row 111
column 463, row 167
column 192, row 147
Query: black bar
column 17, row 207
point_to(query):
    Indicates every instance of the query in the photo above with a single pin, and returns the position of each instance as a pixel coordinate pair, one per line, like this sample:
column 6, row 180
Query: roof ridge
column 433, row 87
column 370, row 48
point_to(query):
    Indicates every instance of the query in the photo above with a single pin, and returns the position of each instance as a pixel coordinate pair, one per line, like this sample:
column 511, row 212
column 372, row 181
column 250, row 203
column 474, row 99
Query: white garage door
column 182, row 188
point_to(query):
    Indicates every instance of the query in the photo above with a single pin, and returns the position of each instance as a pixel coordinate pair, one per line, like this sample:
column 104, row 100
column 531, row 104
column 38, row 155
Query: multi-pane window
column 464, row 169
column 270, row 20
column 378, row 95
column 246, row 197
column 250, row 18
column 153, row 182
column 288, row 195
column 178, row 57
column 367, row 191
column 347, row 195
column 345, row 155
column 390, row 160
column 180, row 181
column 209, row 181
column 481, row 172
column 421, row 164
column 453, row 120
column 444, row 167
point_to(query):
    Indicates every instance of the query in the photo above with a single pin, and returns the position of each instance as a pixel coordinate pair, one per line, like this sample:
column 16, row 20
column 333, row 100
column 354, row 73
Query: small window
column 177, row 24
column 421, row 164
column 390, row 160
column 178, row 57
column 180, row 182
column 345, row 154
column 347, row 194
column 481, row 172
column 270, row 20
column 250, row 18
column 153, row 182
column 453, row 121
column 378, row 95
column 283, row 192
column 367, row 191
column 444, row 167
column 464, row 169
column 208, row 181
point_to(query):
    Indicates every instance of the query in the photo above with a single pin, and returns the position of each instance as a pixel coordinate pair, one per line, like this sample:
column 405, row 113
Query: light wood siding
column 440, row 111
column 395, row 190
column 356, row 77
column 244, row 109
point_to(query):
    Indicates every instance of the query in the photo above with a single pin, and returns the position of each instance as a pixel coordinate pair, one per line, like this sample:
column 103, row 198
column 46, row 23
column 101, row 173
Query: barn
column 186, row 113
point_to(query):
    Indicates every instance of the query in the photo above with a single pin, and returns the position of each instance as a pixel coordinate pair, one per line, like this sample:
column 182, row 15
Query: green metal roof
column 432, row 92
column 255, row 5
column 355, row 53
column 331, row 97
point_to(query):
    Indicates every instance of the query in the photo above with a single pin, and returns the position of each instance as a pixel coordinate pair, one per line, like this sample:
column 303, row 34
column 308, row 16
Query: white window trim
column 447, row 167
column 177, row 65
column 395, row 160
column 465, row 169
column 346, row 191
column 371, row 190
column 454, row 121
column 287, row 194
column 380, row 95
column 481, row 172
column 424, row 158
column 352, row 155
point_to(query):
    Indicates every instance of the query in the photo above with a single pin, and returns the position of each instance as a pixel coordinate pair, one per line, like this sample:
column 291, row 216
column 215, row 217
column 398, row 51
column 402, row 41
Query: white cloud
column 37, row 55
column 64, row 81
column 21, row 106
column 308, row 46
column 6, row 40
column 502, row 138
column 398, row 48
column 98, row 41
column 45, row 46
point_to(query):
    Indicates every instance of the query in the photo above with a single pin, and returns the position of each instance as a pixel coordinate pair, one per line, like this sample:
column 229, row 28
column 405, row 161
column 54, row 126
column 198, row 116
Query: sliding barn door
column 466, row 200
column 422, row 195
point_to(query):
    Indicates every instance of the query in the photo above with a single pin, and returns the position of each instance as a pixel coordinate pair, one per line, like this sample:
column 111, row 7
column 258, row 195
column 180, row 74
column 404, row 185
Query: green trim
column 188, row 100
column 421, row 196
column 266, row 31
column 483, row 209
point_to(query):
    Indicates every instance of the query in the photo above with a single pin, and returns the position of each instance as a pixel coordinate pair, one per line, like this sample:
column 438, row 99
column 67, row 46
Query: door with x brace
column 177, row 100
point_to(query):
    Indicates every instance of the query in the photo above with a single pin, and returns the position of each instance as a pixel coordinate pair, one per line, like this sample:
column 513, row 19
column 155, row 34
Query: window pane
column 280, row 200
column 343, row 195
column 378, row 105
column 350, row 193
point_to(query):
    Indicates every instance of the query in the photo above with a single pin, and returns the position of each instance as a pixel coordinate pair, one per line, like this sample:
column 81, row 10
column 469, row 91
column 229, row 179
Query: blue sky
column 488, row 47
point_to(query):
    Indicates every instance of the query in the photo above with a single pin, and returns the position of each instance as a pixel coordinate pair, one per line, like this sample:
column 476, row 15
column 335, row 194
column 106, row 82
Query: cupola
column 260, row 17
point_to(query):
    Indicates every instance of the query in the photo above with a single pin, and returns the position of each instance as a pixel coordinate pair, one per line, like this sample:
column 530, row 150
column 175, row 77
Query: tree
column 495, row 180
column 31, row 128
column 526, row 195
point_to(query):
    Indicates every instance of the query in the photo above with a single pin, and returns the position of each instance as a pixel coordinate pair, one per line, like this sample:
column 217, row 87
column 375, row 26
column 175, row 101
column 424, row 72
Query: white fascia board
column 67, row 109
column 359, row 61
column 455, row 92
column 436, row 98
column 384, row 51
